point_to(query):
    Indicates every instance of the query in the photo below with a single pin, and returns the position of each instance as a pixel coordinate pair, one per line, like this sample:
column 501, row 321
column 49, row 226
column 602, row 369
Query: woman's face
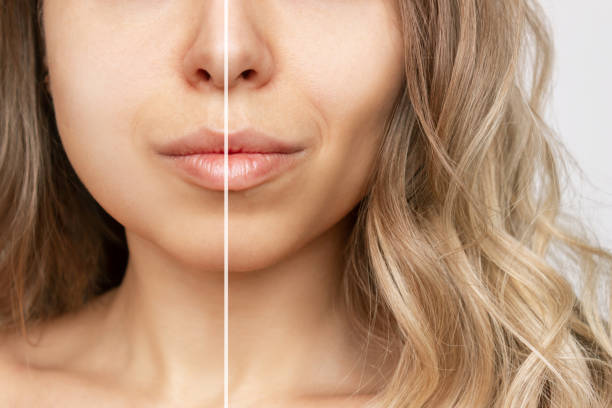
column 126, row 76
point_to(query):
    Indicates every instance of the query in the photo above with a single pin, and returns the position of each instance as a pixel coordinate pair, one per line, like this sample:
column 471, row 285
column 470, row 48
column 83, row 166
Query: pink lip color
column 253, row 158
column 245, row 170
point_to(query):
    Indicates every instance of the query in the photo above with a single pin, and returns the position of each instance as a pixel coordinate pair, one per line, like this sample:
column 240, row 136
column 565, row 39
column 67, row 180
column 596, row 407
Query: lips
column 253, row 158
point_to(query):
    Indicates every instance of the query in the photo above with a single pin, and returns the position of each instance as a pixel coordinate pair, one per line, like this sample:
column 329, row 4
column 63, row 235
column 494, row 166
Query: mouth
column 253, row 158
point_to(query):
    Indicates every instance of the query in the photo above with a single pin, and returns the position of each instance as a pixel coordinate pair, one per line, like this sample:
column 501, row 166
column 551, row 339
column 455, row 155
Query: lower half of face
column 125, row 78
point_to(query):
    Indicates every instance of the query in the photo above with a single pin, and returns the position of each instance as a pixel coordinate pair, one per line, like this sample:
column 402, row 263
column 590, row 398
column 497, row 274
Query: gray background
column 581, row 107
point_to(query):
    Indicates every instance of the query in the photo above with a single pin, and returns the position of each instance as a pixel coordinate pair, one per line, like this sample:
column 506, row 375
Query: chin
column 254, row 257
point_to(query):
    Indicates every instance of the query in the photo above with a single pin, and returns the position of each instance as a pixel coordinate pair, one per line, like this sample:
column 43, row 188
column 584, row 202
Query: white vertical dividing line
column 225, row 211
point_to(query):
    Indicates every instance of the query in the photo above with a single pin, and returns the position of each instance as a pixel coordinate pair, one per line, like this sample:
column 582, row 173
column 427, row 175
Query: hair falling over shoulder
column 460, row 256
column 58, row 247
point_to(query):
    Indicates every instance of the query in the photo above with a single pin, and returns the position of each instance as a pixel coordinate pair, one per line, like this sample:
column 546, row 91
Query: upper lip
column 206, row 140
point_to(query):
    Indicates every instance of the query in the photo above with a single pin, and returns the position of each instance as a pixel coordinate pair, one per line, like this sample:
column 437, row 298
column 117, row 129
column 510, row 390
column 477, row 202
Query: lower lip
column 245, row 170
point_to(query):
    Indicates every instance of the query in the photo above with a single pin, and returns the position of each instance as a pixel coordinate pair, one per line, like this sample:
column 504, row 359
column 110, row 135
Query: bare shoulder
column 38, row 368
column 10, row 385
column 20, row 384
column 49, row 344
column 32, row 377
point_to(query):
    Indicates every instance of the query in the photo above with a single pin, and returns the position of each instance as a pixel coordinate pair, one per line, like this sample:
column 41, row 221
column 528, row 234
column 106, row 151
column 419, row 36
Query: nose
column 250, row 62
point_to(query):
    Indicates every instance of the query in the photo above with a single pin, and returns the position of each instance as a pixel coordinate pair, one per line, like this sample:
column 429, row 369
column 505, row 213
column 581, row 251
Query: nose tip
column 249, row 59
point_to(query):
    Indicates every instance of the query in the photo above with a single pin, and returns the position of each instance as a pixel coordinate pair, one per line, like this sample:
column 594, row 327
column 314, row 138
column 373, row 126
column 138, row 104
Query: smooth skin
column 128, row 75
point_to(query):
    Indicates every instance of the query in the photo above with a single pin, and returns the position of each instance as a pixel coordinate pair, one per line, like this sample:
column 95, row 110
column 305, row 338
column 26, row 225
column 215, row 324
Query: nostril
column 204, row 74
column 248, row 73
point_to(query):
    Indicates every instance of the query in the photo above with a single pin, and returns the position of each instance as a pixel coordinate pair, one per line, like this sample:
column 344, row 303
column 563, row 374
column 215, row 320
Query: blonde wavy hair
column 459, row 260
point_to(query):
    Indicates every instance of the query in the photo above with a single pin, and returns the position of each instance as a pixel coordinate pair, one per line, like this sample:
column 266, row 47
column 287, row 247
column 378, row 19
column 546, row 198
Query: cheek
column 101, row 74
column 109, row 94
column 94, row 126
column 348, row 63
column 350, row 69
column 352, row 82
column 345, row 81
column 90, row 74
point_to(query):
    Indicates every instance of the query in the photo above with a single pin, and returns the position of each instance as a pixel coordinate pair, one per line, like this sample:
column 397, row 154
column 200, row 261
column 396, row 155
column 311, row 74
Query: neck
column 287, row 329
column 168, row 319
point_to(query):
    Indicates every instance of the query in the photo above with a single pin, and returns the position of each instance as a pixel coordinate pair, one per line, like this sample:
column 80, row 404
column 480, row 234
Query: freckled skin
column 128, row 75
